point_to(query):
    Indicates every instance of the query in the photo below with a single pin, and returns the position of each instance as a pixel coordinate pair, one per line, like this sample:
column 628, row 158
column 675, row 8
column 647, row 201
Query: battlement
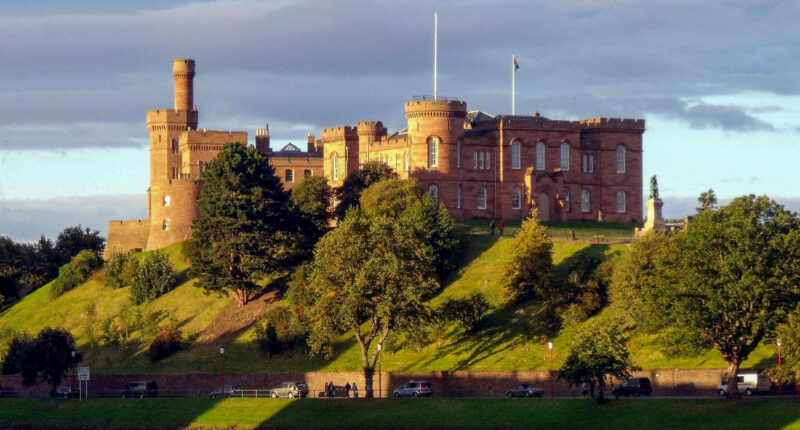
column 340, row 132
column 211, row 140
column 262, row 132
column 627, row 123
column 171, row 116
column 183, row 66
column 371, row 128
column 441, row 107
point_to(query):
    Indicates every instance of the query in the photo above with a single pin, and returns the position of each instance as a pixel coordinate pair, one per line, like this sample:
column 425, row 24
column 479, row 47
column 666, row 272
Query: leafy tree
column 598, row 349
column 707, row 201
column 246, row 229
column 75, row 272
column 391, row 197
column 166, row 342
column 370, row 276
column 119, row 268
column 349, row 193
column 529, row 273
column 729, row 280
column 313, row 197
column 789, row 335
column 267, row 338
column 153, row 278
column 46, row 358
column 73, row 240
column 469, row 311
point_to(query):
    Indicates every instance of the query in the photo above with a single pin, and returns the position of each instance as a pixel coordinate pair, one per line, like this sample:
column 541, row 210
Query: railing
column 425, row 97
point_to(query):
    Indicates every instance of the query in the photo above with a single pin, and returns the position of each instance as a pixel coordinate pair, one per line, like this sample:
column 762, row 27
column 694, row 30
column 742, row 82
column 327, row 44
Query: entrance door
column 543, row 204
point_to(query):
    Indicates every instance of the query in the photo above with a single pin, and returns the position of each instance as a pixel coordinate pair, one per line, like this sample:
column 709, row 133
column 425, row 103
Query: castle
column 476, row 164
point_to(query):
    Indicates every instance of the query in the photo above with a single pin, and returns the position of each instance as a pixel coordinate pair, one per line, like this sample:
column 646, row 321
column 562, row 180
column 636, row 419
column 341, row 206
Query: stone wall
column 127, row 235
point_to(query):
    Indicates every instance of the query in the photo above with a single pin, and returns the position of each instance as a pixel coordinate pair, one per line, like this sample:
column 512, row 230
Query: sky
column 718, row 83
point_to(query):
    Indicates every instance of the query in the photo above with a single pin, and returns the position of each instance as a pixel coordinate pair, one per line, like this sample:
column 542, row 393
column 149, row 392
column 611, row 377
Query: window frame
column 335, row 166
column 516, row 154
column 433, row 151
column 288, row 175
column 308, row 173
column 624, row 202
column 586, row 201
column 165, row 224
column 564, row 156
column 623, row 160
column 541, row 151
column 166, row 201
column 433, row 191
column 481, row 200
column 516, row 198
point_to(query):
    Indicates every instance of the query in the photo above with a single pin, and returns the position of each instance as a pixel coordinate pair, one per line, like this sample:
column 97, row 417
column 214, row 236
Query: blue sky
column 717, row 81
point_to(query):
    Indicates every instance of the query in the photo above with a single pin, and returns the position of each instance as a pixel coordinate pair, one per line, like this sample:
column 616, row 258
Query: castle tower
column 369, row 132
column 435, row 129
column 340, row 152
column 183, row 72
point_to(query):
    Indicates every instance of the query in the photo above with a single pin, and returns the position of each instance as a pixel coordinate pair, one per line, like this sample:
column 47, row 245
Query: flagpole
column 513, row 85
column 435, row 55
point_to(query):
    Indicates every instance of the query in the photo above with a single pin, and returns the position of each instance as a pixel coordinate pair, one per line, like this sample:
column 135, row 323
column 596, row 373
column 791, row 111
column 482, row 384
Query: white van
column 748, row 384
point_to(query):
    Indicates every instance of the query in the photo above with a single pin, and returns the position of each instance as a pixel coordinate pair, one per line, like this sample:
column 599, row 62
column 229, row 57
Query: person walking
column 347, row 390
column 327, row 390
column 331, row 390
column 355, row 391
column 491, row 228
column 501, row 226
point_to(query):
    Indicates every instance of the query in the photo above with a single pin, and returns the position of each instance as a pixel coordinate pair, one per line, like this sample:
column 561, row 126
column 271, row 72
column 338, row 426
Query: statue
column 654, row 188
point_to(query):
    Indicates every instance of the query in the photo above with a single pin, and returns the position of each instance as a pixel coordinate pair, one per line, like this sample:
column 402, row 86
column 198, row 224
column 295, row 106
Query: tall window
column 475, row 160
column 481, row 198
column 433, row 152
column 458, row 197
column 202, row 166
column 587, row 165
column 165, row 224
column 516, row 198
column 540, row 155
column 488, row 163
column 405, row 161
column 620, row 159
column 174, row 146
column 434, row 190
column 481, row 159
column 335, row 166
column 566, row 199
column 307, row 173
column 174, row 173
column 586, row 204
column 289, row 175
column 458, row 154
column 515, row 154
column 621, row 202
column 166, row 201
column 564, row 156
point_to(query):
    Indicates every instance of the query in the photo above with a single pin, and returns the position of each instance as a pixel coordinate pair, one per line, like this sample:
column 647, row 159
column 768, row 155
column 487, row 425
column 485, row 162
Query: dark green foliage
column 789, row 335
column 75, row 272
column 313, row 198
column 17, row 353
column 350, row 192
column 530, row 273
column 119, row 269
column 246, row 229
column 72, row 240
column 267, row 338
column 707, row 201
column 153, row 277
column 469, row 311
column 390, row 197
column 45, row 358
column 587, row 284
column 166, row 342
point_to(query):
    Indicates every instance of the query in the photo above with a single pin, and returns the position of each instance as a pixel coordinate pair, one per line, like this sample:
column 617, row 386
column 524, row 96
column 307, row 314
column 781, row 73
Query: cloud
column 676, row 207
column 26, row 220
column 741, row 180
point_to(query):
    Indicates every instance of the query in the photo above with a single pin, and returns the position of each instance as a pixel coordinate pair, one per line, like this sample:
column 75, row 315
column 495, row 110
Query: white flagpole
column 435, row 55
column 513, row 85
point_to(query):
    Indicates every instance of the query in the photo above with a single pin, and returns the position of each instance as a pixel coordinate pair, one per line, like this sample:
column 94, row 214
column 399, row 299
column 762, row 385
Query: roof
column 290, row 147
column 474, row 116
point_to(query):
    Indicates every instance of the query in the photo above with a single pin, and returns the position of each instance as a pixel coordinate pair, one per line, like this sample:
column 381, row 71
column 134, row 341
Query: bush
column 267, row 338
column 167, row 342
column 153, row 277
column 119, row 269
column 75, row 272
column 469, row 312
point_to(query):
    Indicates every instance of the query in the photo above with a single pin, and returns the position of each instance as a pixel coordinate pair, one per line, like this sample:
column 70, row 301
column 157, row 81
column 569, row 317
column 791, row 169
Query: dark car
column 633, row 387
column 140, row 389
column 227, row 391
column 66, row 391
column 414, row 389
column 525, row 390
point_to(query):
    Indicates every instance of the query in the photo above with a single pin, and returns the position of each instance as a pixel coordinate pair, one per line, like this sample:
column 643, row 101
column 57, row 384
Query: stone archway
column 543, row 205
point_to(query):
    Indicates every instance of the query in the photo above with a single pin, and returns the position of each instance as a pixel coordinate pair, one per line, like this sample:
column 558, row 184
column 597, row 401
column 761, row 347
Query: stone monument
column 654, row 219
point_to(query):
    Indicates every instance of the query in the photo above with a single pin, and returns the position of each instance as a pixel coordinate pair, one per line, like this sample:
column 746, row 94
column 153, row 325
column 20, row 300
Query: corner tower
column 435, row 128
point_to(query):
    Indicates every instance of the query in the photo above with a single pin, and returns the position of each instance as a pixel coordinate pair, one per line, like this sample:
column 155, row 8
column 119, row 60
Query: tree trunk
column 733, row 385
column 369, row 372
column 600, row 397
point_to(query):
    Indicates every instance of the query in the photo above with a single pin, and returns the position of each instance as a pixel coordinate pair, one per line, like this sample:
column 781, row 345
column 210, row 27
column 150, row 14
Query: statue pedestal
column 654, row 219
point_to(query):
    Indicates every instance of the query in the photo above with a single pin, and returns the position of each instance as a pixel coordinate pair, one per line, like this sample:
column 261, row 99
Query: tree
column 707, row 201
column 313, row 197
column 46, row 358
column 153, row 278
column 370, row 276
column 598, row 348
column 75, row 272
column 729, row 280
column 788, row 334
column 117, row 269
column 72, row 240
column 356, row 182
column 391, row 197
column 246, row 229
column 529, row 273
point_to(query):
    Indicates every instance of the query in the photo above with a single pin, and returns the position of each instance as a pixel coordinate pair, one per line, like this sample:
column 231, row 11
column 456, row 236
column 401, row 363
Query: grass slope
column 439, row 413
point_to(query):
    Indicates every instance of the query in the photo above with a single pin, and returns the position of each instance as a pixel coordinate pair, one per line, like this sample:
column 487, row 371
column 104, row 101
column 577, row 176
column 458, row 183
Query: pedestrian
column 491, row 228
column 327, row 390
column 599, row 216
column 331, row 390
column 501, row 226
column 347, row 389
column 355, row 391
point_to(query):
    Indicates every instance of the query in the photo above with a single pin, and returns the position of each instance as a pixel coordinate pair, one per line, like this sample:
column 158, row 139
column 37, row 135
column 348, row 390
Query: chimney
column 262, row 139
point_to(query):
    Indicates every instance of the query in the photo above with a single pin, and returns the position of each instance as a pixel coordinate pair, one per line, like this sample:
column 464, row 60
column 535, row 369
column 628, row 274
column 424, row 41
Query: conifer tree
column 529, row 273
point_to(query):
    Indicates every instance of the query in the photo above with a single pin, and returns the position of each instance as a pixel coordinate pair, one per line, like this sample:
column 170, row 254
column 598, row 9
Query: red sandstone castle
column 477, row 165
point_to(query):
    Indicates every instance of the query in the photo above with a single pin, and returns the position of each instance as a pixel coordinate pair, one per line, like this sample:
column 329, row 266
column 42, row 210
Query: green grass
column 561, row 230
column 439, row 413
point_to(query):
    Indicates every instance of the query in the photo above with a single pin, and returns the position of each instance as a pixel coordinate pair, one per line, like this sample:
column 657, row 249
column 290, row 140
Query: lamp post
column 380, row 388
column 74, row 364
column 552, row 387
column 222, row 370
column 780, row 383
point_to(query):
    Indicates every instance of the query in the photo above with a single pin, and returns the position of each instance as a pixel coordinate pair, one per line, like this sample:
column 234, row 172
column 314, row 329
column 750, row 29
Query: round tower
column 183, row 72
column 435, row 128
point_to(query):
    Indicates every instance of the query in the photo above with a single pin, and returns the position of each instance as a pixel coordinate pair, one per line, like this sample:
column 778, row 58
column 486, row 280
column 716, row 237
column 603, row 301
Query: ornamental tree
column 246, row 229
column 370, row 276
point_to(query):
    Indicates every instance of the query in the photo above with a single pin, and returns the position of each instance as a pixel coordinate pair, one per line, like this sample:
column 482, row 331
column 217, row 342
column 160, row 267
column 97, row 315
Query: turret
column 438, row 126
column 183, row 72
column 311, row 143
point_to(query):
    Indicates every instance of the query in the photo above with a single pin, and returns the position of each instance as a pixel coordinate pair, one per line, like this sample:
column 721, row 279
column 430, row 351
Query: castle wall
column 171, row 219
column 127, row 235
column 298, row 165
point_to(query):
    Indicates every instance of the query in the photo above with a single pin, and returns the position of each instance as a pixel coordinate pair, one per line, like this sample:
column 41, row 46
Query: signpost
column 83, row 376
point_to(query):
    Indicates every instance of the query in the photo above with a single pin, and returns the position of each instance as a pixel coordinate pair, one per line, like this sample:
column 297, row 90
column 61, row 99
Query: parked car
column 414, row 389
column 525, row 390
column 290, row 390
column 140, row 389
column 65, row 392
column 227, row 391
column 633, row 387
column 748, row 384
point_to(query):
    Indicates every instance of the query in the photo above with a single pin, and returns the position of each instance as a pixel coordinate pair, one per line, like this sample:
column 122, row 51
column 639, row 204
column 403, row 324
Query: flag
column 516, row 66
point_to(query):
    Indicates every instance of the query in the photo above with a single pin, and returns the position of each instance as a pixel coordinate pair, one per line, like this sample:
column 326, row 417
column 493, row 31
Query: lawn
column 591, row 231
column 439, row 413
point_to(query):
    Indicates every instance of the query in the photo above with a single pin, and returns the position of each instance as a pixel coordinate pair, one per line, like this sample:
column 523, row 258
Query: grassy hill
column 509, row 339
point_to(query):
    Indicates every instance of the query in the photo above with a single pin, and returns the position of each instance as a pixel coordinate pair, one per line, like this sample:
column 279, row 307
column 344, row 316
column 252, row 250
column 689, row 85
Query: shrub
column 153, row 277
column 468, row 312
column 75, row 272
column 167, row 342
column 119, row 269
column 529, row 273
column 267, row 338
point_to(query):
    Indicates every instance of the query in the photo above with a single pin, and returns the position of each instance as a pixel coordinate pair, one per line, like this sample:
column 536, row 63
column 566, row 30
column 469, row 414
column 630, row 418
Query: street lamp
column 552, row 388
column 380, row 387
column 222, row 370
column 780, row 383
column 74, row 364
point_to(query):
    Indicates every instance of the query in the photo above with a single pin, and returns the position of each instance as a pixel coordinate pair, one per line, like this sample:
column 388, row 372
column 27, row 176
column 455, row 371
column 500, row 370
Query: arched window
column 516, row 148
column 335, row 166
column 481, row 159
column 433, row 152
column 540, row 155
column 586, row 203
column 289, row 175
column 434, row 190
column 620, row 159
column 481, row 198
column 564, row 156
column 165, row 224
column 174, row 146
column 621, row 202
column 566, row 199
column 405, row 161
column 516, row 198
column 167, row 200
column 307, row 173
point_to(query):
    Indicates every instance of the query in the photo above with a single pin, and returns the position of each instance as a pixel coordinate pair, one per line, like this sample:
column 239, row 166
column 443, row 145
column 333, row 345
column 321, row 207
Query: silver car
column 414, row 389
column 525, row 390
column 290, row 390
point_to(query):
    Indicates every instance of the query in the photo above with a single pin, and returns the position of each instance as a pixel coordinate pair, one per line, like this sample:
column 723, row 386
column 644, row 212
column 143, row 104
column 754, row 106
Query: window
column 516, row 198
column 405, row 161
column 433, row 152
column 481, row 198
column 166, row 201
column 586, row 204
column 475, row 160
column 515, row 154
column 174, row 173
column 564, row 156
column 458, row 197
column 335, row 166
column 307, row 173
column 566, row 199
column 202, row 166
column 587, row 163
column 174, row 146
column 540, row 156
column 621, row 202
column 458, row 154
column 289, row 175
column 434, row 190
column 481, row 159
column 488, row 164
column 620, row 159
column 165, row 224
column 395, row 162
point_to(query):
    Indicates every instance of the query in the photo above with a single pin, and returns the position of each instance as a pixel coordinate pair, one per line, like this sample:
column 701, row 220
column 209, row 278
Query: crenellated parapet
column 340, row 132
column 424, row 107
column 371, row 128
column 613, row 123
column 171, row 120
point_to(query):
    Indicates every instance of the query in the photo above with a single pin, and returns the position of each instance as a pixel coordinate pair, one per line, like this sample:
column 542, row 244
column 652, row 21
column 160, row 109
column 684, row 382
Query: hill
column 509, row 339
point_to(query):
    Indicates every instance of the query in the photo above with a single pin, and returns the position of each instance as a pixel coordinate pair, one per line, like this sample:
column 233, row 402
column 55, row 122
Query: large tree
column 313, row 198
column 729, row 280
column 529, row 273
column 45, row 358
column 73, row 240
column 246, row 230
column 370, row 276
column 349, row 193
column 707, row 201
